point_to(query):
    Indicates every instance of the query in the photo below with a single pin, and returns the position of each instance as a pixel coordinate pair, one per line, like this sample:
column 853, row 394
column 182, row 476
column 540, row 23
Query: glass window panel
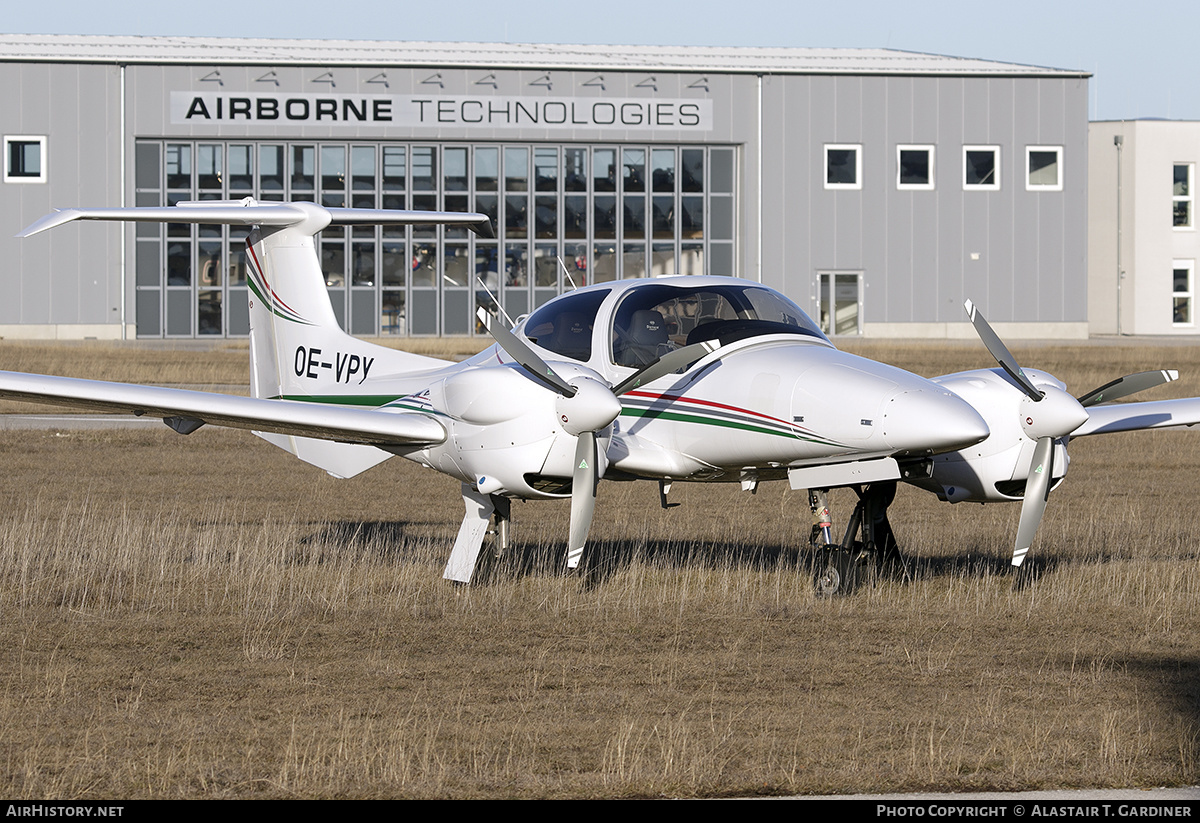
column 575, row 256
column 663, row 216
column 633, row 171
column 424, row 169
column 1182, row 280
column 362, row 265
column 1182, row 213
column 179, row 263
column 545, row 169
column 545, row 270
column 208, row 167
column 516, row 262
column 720, row 259
column 516, row 216
column 1043, row 169
column 333, row 168
column 693, row 170
column 179, row 166
column 980, row 168
column 424, row 265
column 604, row 169
column 691, row 258
column 208, row 312
column 209, row 263
column 841, row 166
column 237, row 313
column 454, row 169
column 574, row 169
column 546, row 216
column 516, row 169
column 458, row 267
column 634, row 224
column 488, row 204
column 394, row 168
column 487, row 265
column 333, row 262
column 394, row 264
column 691, row 217
column 1181, row 208
column 394, row 201
column 487, row 168
column 391, row 320
column 662, row 260
column 1182, row 313
column 362, row 168
column 241, row 168
column 605, row 217
column 1183, row 180
column 304, row 168
column 604, row 262
column 915, row 167
column 270, row 168
column 634, row 263
column 663, row 169
column 575, row 219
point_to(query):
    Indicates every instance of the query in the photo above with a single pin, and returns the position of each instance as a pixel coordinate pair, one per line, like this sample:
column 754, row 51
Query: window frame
column 1189, row 198
column 1029, row 184
column 929, row 150
column 993, row 186
column 857, row 149
column 40, row 141
column 1189, row 294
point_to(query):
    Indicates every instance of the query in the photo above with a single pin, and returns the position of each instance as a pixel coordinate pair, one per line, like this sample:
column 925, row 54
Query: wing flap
column 317, row 420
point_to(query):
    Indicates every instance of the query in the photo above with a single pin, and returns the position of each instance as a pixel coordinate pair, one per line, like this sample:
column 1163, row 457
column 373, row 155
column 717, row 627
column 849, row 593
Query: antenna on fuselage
column 566, row 272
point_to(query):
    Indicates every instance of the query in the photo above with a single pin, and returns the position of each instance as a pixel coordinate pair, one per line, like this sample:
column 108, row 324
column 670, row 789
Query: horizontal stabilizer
column 319, row 420
column 249, row 212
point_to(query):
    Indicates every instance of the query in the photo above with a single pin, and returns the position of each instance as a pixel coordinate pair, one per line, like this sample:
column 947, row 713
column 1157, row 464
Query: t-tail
column 297, row 349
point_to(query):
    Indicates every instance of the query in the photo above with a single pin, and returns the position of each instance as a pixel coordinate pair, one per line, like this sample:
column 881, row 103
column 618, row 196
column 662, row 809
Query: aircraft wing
column 185, row 411
column 1150, row 414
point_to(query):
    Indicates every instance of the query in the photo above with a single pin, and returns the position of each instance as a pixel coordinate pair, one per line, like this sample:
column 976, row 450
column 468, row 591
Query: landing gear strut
column 841, row 567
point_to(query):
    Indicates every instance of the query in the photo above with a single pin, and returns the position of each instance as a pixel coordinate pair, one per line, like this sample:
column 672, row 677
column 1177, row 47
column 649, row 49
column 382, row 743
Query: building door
column 839, row 302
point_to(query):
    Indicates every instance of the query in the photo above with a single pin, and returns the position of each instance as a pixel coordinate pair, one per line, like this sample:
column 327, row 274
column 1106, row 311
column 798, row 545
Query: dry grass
column 203, row 617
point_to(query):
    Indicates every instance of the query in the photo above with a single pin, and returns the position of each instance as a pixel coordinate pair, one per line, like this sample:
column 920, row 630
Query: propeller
column 1127, row 385
column 1046, row 415
column 586, row 407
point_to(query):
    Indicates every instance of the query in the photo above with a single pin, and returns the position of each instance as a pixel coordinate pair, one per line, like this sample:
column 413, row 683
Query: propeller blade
column 519, row 350
column 1037, row 490
column 583, row 495
column 669, row 362
column 999, row 351
column 1127, row 385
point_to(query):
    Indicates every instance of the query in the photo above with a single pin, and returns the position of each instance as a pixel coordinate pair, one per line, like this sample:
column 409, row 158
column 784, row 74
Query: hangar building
column 877, row 188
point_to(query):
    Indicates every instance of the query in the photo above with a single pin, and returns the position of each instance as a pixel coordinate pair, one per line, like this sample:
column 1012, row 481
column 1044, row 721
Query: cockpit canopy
column 655, row 318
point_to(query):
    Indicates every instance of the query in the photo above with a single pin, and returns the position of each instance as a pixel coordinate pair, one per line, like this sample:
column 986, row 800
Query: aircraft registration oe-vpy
column 672, row 379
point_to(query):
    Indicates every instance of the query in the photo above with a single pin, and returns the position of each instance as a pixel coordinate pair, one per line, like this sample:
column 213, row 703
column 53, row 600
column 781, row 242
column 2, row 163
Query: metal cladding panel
column 73, row 276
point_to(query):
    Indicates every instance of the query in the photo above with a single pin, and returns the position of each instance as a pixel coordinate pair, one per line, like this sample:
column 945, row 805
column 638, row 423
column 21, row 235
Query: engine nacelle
column 996, row 468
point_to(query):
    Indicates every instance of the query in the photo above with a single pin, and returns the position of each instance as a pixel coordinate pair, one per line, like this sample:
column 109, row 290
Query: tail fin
column 297, row 349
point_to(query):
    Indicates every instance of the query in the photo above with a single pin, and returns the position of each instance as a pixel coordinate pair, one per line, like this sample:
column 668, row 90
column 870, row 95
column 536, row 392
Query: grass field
column 204, row 616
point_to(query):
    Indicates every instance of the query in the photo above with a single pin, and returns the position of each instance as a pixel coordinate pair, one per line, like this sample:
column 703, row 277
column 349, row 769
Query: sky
column 1141, row 54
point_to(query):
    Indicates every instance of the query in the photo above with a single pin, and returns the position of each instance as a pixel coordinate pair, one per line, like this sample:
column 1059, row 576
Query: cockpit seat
column 645, row 340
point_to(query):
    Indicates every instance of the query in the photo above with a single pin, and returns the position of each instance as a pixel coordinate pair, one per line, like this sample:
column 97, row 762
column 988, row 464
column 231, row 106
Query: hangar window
column 1182, row 291
column 24, row 159
column 843, row 167
column 1043, row 168
column 914, row 167
column 981, row 167
column 1182, row 196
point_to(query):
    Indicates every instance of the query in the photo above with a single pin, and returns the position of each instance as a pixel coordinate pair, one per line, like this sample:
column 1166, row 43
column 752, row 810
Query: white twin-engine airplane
column 672, row 379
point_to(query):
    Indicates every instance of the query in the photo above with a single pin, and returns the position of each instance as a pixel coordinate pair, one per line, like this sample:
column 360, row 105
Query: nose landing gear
column 867, row 546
